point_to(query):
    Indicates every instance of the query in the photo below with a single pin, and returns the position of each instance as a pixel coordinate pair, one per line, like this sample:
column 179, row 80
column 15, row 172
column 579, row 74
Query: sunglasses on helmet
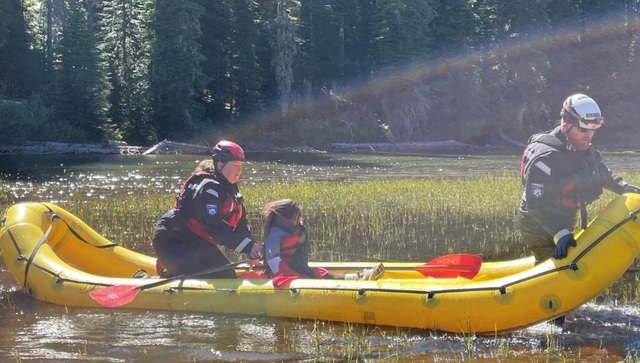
column 585, row 124
column 584, row 131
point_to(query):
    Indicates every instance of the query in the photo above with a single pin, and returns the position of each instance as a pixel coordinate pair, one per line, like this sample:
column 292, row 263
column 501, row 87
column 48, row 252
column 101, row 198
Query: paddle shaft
column 386, row 268
column 453, row 265
column 192, row 275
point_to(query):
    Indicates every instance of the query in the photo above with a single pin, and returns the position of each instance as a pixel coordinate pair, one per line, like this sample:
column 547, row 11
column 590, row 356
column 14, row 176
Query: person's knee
column 542, row 254
column 541, row 248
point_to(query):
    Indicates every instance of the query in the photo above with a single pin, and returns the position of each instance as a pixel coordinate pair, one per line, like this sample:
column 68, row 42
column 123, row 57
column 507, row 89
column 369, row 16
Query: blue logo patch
column 212, row 209
column 537, row 190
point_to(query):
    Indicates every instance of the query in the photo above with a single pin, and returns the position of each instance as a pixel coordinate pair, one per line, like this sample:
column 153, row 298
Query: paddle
column 114, row 296
column 452, row 266
column 447, row 266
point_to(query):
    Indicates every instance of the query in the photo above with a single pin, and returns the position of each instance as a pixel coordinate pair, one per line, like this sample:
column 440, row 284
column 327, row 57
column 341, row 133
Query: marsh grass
column 410, row 219
column 356, row 343
column 401, row 219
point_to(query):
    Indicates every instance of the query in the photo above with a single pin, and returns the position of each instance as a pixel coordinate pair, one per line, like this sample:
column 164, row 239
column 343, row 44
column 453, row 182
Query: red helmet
column 227, row 151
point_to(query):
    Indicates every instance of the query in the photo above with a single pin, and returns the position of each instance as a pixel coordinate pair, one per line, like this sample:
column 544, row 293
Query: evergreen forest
column 313, row 72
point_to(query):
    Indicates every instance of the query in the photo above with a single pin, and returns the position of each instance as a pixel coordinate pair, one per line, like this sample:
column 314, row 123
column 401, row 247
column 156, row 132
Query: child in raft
column 287, row 247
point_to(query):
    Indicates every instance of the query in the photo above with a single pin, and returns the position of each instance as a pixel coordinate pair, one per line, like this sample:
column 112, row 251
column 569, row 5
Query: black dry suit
column 558, row 181
column 208, row 213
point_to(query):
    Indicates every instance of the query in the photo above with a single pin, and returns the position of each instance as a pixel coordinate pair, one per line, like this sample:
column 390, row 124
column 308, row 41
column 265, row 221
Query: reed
column 397, row 219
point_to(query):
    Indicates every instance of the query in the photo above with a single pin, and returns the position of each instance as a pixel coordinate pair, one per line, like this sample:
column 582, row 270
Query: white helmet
column 582, row 111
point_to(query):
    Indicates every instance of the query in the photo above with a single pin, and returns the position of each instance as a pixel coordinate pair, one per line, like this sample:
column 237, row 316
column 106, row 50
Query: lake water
column 38, row 332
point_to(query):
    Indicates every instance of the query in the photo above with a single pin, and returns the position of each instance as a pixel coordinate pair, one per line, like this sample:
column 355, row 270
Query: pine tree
column 400, row 30
column 125, row 39
column 177, row 80
column 232, row 33
column 21, row 71
column 332, row 41
column 81, row 85
column 217, row 51
column 454, row 23
column 283, row 16
column 245, row 70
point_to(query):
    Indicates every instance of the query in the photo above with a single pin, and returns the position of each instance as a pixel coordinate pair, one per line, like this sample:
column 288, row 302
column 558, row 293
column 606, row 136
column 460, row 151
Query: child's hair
column 288, row 209
column 205, row 165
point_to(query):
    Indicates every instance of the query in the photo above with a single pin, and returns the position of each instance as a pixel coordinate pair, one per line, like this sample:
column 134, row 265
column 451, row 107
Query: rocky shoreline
column 166, row 147
column 50, row 148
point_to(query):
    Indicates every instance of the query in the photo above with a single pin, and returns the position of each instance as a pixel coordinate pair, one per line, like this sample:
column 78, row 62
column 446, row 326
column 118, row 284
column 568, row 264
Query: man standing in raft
column 562, row 172
column 208, row 215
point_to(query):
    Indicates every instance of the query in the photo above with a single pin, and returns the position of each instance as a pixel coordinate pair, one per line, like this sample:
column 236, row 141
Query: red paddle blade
column 114, row 296
column 452, row 266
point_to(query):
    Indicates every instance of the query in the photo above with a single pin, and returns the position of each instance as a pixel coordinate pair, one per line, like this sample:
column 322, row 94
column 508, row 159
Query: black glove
column 563, row 244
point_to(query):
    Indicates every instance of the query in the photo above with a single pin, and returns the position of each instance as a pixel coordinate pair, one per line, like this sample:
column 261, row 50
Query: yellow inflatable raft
column 57, row 258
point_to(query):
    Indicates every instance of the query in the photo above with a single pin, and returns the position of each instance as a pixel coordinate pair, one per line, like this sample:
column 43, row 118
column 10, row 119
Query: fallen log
column 112, row 147
column 170, row 147
column 49, row 147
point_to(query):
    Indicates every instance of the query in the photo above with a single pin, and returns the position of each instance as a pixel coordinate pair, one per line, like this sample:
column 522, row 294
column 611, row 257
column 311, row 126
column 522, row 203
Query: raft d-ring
column 578, row 270
column 361, row 294
column 429, row 300
column 294, row 292
column 20, row 258
column 169, row 290
column 550, row 303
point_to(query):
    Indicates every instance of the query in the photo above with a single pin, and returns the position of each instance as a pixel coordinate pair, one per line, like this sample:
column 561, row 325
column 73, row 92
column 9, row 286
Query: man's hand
column 257, row 250
column 564, row 241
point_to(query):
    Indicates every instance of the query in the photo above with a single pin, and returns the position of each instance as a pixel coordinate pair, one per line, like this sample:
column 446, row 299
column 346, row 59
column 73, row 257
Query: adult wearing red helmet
column 562, row 172
column 208, row 215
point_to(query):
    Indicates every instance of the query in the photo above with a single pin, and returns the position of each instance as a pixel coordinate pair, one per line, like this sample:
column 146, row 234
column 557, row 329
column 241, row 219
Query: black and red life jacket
column 293, row 246
column 230, row 211
column 294, row 250
column 569, row 162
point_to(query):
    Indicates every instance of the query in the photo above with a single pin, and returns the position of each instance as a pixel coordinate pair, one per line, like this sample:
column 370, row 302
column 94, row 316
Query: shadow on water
column 44, row 167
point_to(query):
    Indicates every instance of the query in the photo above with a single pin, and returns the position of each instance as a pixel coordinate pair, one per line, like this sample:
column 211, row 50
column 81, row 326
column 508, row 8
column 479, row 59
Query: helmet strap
column 221, row 167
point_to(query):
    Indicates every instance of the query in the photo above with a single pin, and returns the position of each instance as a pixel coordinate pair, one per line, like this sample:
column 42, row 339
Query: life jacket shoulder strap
column 185, row 190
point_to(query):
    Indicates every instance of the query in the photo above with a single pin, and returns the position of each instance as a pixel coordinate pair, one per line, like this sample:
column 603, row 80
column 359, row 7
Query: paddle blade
column 452, row 266
column 115, row 296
